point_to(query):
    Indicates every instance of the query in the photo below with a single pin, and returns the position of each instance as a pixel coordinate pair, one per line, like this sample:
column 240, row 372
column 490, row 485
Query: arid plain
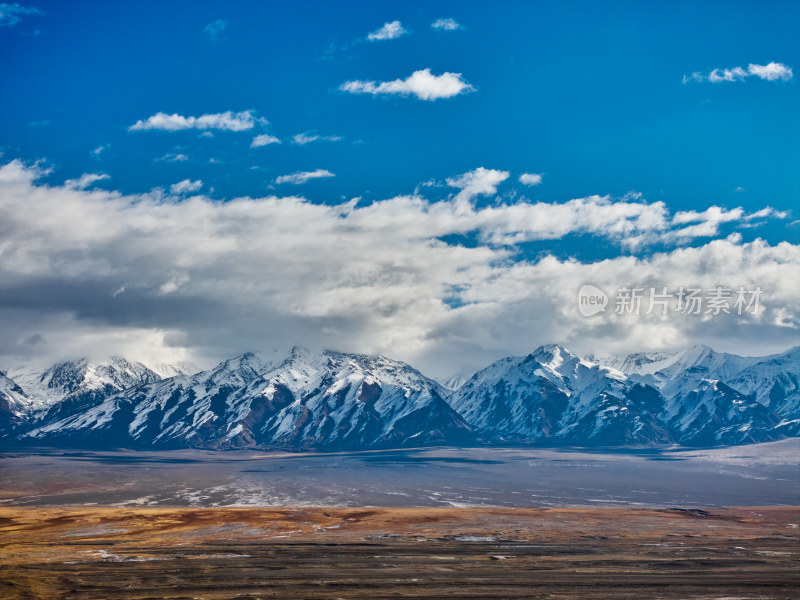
column 460, row 523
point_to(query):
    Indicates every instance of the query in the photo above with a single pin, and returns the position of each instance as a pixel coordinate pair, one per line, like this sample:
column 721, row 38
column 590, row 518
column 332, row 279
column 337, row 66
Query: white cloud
column 209, row 279
column 770, row 72
column 11, row 14
column 85, row 180
column 692, row 224
column 214, row 29
column 306, row 138
column 173, row 157
column 768, row 212
column 227, row 121
column 785, row 318
column 530, row 178
column 174, row 284
column 421, row 84
column 264, row 140
column 734, row 74
column 303, row 176
column 480, row 182
column 187, row 186
column 389, row 31
column 102, row 148
column 447, row 24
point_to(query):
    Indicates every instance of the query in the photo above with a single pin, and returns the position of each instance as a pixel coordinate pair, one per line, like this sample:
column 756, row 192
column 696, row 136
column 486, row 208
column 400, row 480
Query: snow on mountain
column 320, row 401
column 694, row 397
column 84, row 381
column 773, row 380
column 511, row 399
column 552, row 394
column 640, row 362
column 167, row 370
column 716, row 414
column 334, row 401
column 13, row 402
column 70, row 388
column 455, row 381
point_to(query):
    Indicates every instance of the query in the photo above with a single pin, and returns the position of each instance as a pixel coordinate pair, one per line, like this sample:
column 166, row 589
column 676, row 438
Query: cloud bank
column 88, row 271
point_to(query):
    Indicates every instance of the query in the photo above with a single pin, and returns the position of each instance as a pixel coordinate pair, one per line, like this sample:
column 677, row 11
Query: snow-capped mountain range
column 335, row 401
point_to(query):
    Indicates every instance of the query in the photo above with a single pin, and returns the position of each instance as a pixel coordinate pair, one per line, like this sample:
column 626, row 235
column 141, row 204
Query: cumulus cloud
column 264, row 140
column 447, row 24
column 480, row 182
column 187, row 186
column 770, row 72
column 306, row 138
column 389, row 31
column 226, row 121
column 422, row 84
column 303, row 176
column 530, row 178
column 214, row 29
column 11, row 14
column 153, row 276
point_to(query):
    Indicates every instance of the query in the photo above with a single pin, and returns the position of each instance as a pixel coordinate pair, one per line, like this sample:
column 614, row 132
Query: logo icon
column 591, row 300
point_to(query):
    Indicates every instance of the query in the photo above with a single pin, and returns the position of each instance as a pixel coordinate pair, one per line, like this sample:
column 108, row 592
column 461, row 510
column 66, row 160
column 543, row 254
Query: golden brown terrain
column 375, row 553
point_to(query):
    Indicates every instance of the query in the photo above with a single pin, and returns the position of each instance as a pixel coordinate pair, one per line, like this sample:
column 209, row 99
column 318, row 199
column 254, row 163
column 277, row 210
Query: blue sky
column 595, row 98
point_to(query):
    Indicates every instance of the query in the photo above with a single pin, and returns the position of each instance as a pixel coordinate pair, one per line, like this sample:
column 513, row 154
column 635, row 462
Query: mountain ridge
column 338, row 401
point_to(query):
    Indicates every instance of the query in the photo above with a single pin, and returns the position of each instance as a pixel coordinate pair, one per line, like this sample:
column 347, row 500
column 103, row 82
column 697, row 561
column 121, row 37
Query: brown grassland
column 136, row 553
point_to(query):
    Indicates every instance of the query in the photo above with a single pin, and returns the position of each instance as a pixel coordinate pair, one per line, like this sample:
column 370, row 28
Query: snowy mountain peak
column 9, row 385
column 83, row 378
column 65, row 375
column 239, row 370
column 639, row 362
column 167, row 370
column 299, row 352
column 552, row 355
column 699, row 353
column 12, row 404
